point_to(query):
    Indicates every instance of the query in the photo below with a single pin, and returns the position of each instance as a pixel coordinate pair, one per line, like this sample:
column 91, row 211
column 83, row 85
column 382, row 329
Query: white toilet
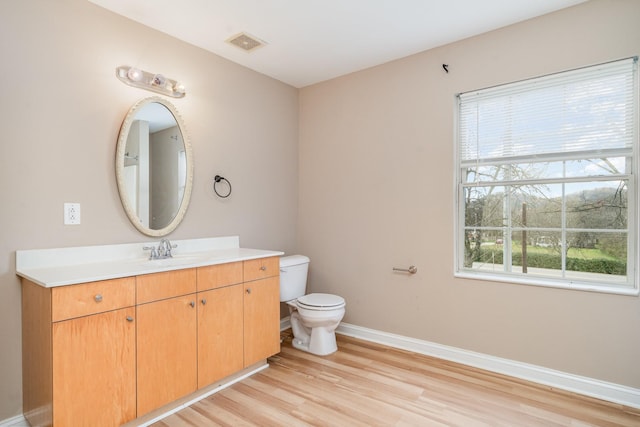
column 314, row 317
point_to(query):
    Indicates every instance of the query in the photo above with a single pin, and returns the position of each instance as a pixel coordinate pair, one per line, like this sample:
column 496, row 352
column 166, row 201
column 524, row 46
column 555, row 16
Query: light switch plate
column 72, row 213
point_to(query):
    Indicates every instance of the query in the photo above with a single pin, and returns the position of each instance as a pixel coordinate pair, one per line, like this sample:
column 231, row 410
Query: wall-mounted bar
column 411, row 270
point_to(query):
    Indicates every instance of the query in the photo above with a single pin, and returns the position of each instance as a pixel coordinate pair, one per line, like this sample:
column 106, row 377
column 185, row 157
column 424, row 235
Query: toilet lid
column 321, row 301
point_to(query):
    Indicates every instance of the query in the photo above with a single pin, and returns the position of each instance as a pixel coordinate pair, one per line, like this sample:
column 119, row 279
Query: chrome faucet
column 164, row 248
column 162, row 251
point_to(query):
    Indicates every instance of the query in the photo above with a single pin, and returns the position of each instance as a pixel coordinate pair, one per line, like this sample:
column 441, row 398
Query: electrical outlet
column 72, row 213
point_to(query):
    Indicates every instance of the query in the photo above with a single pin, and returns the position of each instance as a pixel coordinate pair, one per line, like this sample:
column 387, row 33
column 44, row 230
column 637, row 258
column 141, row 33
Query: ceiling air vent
column 246, row 42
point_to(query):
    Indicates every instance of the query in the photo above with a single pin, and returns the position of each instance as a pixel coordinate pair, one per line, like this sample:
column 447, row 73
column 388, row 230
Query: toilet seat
column 321, row 302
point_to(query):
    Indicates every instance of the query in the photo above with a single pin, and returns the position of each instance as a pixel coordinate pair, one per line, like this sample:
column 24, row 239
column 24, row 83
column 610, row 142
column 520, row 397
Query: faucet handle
column 169, row 247
column 154, row 252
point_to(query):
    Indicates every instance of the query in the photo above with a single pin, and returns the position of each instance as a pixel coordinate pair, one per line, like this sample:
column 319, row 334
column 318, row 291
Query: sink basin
column 175, row 260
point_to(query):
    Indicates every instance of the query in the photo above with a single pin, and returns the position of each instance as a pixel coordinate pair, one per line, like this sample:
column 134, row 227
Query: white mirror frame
column 120, row 172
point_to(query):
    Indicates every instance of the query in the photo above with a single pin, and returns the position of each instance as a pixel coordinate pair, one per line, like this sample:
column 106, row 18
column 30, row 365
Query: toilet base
column 319, row 340
column 320, row 343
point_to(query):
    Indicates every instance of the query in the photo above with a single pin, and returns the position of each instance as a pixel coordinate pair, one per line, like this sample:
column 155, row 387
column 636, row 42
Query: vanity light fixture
column 153, row 82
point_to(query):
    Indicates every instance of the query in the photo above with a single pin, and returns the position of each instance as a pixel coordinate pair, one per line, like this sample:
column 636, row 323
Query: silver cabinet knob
column 98, row 298
column 263, row 268
column 192, row 303
column 204, row 301
column 248, row 290
column 129, row 319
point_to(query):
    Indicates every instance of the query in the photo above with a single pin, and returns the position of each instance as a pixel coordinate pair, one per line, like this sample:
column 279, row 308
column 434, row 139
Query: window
column 546, row 180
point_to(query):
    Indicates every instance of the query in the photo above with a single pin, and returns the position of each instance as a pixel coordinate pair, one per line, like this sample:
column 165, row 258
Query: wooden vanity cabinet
column 166, row 338
column 79, row 353
column 104, row 353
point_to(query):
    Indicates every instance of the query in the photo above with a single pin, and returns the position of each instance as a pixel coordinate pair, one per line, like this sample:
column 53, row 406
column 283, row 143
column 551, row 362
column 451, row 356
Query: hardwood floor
column 366, row 384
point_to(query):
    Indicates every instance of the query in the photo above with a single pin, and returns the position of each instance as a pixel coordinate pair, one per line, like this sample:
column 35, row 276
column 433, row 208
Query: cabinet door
column 94, row 377
column 166, row 354
column 261, row 319
column 220, row 348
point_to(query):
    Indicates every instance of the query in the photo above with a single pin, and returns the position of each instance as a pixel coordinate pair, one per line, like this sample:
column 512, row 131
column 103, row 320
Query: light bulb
column 134, row 74
column 178, row 87
column 158, row 80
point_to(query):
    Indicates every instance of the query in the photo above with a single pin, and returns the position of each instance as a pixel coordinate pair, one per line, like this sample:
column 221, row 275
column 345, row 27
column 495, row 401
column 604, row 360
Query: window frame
column 632, row 284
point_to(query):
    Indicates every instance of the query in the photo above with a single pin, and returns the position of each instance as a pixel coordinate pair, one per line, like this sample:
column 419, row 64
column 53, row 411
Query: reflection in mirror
column 154, row 168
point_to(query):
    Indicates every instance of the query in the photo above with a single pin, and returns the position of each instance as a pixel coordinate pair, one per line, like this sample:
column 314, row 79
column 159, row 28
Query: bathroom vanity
column 109, row 336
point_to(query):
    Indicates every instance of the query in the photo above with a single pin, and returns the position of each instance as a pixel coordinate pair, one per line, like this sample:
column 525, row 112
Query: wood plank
column 365, row 384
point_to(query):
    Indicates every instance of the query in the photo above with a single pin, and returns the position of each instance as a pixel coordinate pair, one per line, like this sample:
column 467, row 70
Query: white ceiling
column 309, row 41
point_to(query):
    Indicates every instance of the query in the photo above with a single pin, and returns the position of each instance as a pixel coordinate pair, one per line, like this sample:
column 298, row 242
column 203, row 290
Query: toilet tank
column 293, row 276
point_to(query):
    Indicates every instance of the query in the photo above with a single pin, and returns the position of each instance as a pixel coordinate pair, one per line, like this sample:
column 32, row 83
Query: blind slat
column 576, row 111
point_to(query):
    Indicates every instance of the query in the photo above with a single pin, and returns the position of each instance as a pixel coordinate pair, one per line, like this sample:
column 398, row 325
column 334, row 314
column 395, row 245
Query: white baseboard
column 17, row 421
column 611, row 392
column 285, row 323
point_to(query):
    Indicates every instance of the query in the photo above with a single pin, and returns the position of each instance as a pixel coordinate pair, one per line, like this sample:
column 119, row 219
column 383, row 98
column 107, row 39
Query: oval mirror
column 154, row 166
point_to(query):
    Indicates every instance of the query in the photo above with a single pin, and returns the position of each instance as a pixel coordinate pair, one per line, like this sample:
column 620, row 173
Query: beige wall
column 375, row 174
column 376, row 191
column 62, row 107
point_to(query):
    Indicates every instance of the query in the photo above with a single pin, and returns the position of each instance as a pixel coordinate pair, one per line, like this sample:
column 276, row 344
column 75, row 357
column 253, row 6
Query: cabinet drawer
column 90, row 298
column 260, row 268
column 169, row 284
column 217, row 276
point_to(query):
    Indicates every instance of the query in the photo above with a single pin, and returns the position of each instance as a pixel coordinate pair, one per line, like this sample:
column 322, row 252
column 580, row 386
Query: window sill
column 548, row 283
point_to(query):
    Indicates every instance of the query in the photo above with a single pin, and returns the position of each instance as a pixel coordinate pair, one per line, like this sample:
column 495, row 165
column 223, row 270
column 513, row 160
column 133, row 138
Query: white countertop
column 67, row 266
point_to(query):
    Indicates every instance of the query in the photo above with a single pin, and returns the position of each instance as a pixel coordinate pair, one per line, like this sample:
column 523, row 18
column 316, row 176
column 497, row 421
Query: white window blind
column 572, row 114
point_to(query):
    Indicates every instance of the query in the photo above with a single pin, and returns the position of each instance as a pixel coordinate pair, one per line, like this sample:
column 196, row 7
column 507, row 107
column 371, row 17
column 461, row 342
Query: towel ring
column 216, row 180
